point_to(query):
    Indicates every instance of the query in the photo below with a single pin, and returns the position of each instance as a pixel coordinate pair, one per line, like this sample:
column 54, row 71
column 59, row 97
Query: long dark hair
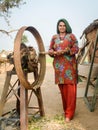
column 68, row 28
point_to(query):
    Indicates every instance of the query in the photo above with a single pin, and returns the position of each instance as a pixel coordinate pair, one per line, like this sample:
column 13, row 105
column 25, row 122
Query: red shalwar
column 65, row 68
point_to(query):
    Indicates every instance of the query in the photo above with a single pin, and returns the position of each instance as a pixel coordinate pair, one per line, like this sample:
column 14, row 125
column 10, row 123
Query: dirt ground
column 53, row 105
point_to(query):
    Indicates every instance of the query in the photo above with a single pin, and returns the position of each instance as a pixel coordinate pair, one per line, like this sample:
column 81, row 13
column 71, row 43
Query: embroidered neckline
column 61, row 38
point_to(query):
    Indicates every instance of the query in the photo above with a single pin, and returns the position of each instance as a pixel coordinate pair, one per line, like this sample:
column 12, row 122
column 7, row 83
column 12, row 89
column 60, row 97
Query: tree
column 7, row 5
column 5, row 10
column 24, row 39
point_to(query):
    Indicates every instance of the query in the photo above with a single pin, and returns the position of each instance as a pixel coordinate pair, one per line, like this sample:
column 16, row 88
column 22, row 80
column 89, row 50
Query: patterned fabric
column 65, row 65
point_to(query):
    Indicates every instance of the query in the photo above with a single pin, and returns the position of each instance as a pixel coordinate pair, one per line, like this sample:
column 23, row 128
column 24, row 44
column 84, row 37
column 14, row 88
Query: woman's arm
column 74, row 45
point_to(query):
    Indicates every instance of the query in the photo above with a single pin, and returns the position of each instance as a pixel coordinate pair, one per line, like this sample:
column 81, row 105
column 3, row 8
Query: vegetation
column 53, row 123
column 7, row 5
column 49, row 59
column 24, row 39
column 5, row 10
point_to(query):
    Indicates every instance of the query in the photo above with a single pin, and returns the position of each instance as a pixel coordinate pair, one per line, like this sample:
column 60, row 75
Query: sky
column 44, row 14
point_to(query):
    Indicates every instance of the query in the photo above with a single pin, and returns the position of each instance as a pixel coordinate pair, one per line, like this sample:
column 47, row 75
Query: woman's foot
column 67, row 119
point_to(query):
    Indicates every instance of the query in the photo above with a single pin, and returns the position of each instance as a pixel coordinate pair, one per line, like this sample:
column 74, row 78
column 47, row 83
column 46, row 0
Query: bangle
column 67, row 50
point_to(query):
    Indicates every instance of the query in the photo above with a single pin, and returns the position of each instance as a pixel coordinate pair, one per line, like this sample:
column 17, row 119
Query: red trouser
column 68, row 93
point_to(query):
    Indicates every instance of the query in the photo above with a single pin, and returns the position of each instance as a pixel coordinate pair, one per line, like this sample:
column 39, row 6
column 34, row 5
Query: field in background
column 48, row 59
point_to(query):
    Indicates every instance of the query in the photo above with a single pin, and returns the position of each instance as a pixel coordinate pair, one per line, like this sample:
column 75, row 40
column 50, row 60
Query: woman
column 63, row 48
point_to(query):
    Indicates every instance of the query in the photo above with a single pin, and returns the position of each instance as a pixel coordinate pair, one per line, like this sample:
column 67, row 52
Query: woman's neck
column 62, row 34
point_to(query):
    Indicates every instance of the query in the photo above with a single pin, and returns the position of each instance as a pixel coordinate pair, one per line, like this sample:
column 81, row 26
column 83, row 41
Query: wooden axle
column 54, row 52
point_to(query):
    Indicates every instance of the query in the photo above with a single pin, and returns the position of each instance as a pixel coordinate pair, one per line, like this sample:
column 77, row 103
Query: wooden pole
column 83, row 58
column 23, row 108
column 4, row 93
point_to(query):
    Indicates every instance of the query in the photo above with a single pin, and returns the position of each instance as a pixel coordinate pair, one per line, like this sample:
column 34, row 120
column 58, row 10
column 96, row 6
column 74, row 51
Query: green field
column 49, row 59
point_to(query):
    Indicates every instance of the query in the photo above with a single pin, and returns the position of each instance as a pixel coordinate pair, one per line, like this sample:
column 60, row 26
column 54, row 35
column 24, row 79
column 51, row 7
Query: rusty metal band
column 17, row 58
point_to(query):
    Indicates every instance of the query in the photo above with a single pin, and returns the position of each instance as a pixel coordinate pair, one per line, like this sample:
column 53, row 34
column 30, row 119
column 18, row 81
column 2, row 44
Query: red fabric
column 68, row 94
column 65, row 65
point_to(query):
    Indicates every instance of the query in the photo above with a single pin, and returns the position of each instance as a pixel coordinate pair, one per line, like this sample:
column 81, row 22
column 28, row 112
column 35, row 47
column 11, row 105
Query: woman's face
column 62, row 27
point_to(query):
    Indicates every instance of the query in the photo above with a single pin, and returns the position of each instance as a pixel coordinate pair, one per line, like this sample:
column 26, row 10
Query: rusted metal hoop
column 17, row 58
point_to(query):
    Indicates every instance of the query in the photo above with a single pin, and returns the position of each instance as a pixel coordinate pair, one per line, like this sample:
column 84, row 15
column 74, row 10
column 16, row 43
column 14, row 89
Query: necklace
column 62, row 38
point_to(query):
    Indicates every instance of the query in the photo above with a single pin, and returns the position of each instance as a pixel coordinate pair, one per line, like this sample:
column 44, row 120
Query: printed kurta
column 65, row 65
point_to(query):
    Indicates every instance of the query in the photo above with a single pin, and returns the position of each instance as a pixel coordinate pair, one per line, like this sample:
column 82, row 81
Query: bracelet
column 67, row 50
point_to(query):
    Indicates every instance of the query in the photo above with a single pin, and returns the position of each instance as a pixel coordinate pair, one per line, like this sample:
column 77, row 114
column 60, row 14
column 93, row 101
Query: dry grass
column 53, row 123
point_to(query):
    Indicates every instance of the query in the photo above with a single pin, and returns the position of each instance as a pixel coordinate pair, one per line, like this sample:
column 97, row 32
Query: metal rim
column 17, row 58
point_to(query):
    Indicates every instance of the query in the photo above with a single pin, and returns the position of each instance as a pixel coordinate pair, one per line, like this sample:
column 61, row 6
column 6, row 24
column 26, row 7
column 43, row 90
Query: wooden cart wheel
column 17, row 58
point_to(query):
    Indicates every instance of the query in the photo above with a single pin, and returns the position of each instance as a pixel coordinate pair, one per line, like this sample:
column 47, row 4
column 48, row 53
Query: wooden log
column 86, row 53
column 3, row 60
column 83, row 70
column 23, row 108
column 5, row 91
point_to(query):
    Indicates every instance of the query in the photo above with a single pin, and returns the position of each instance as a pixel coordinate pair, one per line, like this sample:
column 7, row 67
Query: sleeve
column 74, row 45
column 51, row 47
column 52, row 42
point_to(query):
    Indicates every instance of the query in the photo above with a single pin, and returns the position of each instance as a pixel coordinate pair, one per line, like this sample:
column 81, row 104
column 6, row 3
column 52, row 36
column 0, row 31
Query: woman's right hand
column 51, row 52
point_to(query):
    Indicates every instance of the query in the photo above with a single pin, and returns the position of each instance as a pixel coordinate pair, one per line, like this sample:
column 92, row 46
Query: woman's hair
column 68, row 28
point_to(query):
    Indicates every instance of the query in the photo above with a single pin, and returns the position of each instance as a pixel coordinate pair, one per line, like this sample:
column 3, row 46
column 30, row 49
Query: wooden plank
column 40, row 102
column 23, row 108
column 83, row 70
column 83, row 58
column 4, row 93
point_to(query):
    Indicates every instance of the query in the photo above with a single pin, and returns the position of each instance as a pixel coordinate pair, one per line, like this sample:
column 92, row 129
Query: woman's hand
column 51, row 52
column 65, row 51
column 59, row 52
